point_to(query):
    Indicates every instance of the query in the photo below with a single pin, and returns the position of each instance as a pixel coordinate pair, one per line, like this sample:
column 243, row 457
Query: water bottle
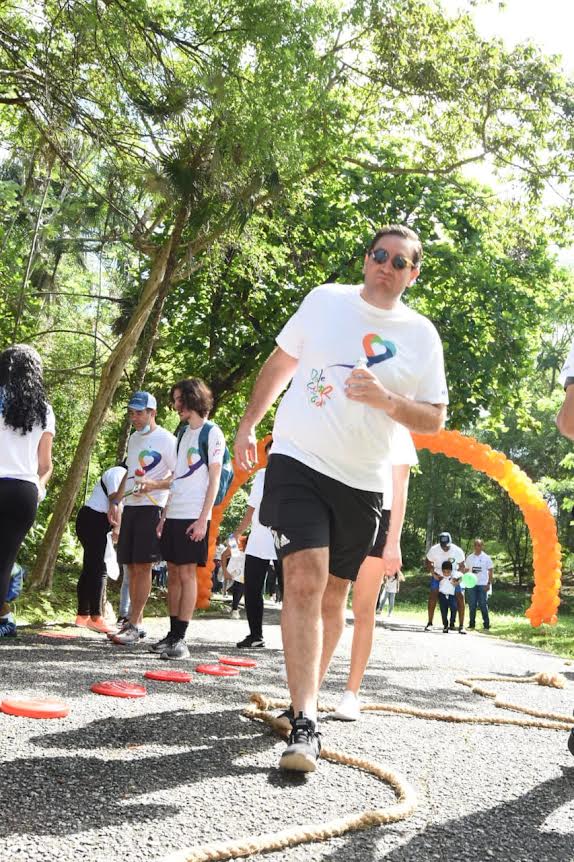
column 232, row 542
column 356, row 409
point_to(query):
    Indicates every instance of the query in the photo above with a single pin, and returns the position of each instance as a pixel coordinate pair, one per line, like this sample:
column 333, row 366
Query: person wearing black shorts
column 358, row 361
column 184, row 526
column 150, row 464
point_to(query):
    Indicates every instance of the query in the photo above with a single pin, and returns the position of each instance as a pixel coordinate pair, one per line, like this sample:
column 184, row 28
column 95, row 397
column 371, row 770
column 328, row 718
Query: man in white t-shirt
column 437, row 554
column 184, row 525
column 358, row 361
column 481, row 567
column 151, row 457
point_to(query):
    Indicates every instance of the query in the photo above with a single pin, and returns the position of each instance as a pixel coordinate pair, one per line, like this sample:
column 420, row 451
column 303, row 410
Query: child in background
column 446, row 591
column 233, row 567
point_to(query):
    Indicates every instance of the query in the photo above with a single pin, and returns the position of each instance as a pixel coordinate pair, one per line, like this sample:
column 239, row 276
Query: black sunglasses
column 399, row 261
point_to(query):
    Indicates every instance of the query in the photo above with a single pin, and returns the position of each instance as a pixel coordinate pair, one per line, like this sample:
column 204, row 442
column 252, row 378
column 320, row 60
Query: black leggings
column 92, row 529
column 255, row 572
column 18, row 505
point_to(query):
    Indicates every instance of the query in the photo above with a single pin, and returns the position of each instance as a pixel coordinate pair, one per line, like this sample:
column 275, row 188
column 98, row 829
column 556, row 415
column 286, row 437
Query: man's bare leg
column 188, row 592
column 333, row 615
column 140, row 588
column 305, row 578
column 173, row 589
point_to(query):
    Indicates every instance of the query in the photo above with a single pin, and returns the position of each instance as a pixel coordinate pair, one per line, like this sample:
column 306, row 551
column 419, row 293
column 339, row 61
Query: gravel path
column 136, row 779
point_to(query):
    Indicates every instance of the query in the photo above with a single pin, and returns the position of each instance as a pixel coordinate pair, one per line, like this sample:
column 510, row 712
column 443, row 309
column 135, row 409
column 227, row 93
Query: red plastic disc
column 217, row 670
column 168, row 675
column 119, row 688
column 236, row 661
column 57, row 635
column 35, row 707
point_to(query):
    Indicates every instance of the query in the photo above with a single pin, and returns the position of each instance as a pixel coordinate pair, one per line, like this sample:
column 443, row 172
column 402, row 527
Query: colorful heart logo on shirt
column 148, row 459
column 377, row 349
column 192, row 466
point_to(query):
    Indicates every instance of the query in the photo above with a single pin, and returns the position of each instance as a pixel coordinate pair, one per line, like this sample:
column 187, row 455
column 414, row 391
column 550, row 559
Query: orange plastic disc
column 217, row 670
column 119, row 688
column 168, row 675
column 236, row 661
column 35, row 707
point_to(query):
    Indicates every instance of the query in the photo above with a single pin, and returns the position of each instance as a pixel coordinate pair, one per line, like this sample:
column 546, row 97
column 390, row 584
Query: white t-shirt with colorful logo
column 19, row 452
column 438, row 555
column 479, row 564
column 260, row 542
column 191, row 478
column 316, row 423
column 150, row 456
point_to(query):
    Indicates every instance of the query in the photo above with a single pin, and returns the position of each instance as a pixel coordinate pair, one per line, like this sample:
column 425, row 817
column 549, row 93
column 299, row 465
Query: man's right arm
column 272, row 380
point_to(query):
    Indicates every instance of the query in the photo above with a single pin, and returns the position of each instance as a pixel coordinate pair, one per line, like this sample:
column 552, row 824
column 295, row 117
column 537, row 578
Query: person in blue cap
column 151, row 456
column 436, row 555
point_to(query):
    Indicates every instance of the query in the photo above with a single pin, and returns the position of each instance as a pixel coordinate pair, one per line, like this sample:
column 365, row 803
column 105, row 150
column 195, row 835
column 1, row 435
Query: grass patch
column 506, row 608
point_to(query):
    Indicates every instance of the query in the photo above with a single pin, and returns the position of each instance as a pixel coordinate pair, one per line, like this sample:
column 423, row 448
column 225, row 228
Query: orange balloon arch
column 523, row 491
column 467, row 450
column 239, row 479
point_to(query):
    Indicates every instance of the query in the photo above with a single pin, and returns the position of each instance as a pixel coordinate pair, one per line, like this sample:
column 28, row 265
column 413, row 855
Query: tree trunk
column 148, row 341
column 163, row 264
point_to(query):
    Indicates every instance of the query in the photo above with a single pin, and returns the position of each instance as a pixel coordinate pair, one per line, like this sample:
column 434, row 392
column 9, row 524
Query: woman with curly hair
column 27, row 427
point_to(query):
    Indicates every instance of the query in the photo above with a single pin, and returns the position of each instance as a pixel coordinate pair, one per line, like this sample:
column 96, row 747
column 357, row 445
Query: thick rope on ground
column 309, row 832
column 259, row 709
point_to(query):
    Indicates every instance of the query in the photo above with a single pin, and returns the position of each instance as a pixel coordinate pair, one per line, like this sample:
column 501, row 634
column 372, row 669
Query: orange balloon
column 538, row 517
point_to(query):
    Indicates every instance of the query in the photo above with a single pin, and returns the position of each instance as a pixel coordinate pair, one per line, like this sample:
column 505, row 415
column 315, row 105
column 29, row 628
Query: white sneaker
column 235, row 615
column 349, row 708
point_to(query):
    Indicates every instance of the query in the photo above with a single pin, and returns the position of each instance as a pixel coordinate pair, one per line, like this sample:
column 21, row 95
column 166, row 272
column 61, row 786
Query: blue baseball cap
column 142, row 401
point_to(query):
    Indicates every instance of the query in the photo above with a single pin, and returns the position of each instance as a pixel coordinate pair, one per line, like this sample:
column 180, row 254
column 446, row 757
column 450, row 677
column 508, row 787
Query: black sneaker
column 175, row 649
column 250, row 642
column 304, row 747
column 445, row 630
column 286, row 719
column 452, row 627
column 428, row 627
column 461, row 630
column 162, row 644
column 471, row 625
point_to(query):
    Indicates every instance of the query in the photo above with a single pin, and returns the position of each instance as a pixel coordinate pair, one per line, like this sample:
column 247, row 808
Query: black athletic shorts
column 379, row 546
column 306, row 509
column 178, row 548
column 138, row 541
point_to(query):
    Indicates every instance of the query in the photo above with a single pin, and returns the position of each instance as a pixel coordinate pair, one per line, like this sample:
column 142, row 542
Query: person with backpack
column 92, row 528
column 202, row 475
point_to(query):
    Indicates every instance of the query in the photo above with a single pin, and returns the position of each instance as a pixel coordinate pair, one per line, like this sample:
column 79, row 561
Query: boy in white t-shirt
column 184, row 525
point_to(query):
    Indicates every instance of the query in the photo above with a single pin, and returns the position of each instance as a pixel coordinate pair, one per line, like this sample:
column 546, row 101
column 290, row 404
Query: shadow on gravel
column 64, row 795
column 513, row 830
